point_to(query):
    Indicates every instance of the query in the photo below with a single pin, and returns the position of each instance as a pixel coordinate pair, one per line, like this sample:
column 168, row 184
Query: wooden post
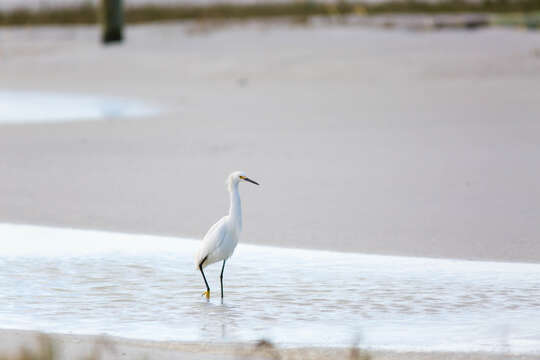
column 112, row 21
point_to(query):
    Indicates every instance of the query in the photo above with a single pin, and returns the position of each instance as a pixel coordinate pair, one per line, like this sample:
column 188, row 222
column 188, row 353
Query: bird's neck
column 235, row 211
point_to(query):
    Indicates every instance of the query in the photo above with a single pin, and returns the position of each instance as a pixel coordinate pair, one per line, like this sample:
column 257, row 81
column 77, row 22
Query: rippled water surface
column 146, row 287
column 35, row 106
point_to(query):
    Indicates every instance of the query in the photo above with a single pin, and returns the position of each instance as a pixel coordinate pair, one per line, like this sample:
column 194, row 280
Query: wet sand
column 365, row 140
column 75, row 347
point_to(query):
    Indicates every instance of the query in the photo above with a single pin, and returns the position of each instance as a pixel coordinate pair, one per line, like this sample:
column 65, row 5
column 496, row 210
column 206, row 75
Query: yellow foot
column 206, row 294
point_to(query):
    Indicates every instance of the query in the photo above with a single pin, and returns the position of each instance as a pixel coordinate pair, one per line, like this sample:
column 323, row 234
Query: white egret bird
column 220, row 241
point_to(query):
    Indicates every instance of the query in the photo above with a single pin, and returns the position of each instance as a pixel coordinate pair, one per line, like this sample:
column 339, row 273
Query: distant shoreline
column 88, row 13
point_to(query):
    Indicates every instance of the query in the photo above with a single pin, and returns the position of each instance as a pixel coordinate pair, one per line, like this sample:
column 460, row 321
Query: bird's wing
column 211, row 241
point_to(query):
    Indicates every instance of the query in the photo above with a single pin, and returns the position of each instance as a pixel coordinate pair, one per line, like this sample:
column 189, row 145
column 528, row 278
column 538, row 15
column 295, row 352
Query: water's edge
column 29, row 107
column 146, row 287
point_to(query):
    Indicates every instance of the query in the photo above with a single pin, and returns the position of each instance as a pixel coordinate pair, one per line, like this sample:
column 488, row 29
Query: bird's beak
column 251, row 181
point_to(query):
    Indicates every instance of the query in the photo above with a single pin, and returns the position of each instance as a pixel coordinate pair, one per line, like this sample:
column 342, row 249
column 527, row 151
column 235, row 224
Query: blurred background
column 407, row 128
column 389, row 127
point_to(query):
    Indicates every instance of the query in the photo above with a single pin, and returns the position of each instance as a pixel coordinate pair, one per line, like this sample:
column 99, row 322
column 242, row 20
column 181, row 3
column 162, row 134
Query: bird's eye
column 242, row 177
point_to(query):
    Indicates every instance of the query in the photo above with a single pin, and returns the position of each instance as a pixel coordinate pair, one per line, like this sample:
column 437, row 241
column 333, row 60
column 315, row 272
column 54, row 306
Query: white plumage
column 220, row 241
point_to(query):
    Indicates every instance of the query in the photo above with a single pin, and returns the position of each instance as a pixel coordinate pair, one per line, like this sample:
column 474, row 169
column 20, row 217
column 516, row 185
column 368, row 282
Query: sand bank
column 72, row 347
column 365, row 140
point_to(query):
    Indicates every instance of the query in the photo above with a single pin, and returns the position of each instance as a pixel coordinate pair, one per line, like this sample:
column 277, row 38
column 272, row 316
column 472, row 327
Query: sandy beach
column 367, row 140
column 364, row 140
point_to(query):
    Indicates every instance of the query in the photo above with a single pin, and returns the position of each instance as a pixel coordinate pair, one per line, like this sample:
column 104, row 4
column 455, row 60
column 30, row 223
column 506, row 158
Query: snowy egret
column 220, row 241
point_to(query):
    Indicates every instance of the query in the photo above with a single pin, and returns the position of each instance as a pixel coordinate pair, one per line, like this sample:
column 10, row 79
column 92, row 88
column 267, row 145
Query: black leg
column 221, row 277
column 204, row 277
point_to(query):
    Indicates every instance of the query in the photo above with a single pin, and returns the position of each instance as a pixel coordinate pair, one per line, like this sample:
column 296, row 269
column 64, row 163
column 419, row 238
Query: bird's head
column 237, row 177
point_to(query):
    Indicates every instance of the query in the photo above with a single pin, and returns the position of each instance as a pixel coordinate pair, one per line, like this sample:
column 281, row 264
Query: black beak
column 251, row 181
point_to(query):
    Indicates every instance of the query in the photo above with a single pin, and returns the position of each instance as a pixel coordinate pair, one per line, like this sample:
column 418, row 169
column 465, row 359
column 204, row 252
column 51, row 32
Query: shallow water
column 35, row 106
column 144, row 286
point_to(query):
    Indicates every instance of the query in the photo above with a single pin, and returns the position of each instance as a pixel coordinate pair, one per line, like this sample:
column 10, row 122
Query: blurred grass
column 44, row 351
column 265, row 349
column 47, row 349
column 87, row 12
column 529, row 21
